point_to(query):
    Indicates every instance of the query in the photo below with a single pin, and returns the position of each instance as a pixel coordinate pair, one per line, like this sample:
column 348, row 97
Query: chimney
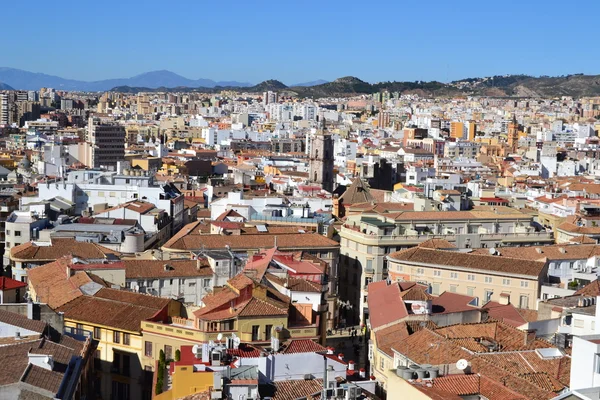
column 529, row 337
column 341, row 356
column 330, row 350
column 362, row 373
column 350, row 365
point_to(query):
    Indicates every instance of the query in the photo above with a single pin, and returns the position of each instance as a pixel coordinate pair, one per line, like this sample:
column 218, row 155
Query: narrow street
column 355, row 350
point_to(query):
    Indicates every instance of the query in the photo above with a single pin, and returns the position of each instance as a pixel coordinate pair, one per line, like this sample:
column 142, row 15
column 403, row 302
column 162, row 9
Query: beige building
column 367, row 239
column 487, row 277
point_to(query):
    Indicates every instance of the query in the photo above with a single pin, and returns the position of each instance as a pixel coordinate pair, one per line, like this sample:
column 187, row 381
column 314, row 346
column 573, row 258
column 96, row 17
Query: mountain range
column 25, row 80
column 576, row 85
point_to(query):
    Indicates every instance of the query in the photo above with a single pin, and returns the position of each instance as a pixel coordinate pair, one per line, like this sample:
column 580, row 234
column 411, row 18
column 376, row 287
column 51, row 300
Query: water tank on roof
column 433, row 372
column 421, row 373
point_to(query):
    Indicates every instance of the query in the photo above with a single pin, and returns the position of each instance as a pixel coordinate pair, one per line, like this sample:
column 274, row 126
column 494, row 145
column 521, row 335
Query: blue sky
column 301, row 40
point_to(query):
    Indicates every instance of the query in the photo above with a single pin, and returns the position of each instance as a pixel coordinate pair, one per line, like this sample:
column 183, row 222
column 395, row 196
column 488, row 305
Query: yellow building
column 457, row 130
column 148, row 163
column 185, row 381
column 113, row 318
column 471, row 131
column 487, row 277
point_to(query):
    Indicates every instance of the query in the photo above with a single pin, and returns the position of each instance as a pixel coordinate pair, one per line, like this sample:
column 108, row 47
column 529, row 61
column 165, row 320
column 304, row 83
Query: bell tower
column 321, row 159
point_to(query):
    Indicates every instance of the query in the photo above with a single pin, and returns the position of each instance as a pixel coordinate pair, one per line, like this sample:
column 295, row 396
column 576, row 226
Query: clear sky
column 301, row 40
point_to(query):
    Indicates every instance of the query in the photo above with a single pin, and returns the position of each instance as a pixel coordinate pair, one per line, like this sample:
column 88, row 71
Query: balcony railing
column 352, row 232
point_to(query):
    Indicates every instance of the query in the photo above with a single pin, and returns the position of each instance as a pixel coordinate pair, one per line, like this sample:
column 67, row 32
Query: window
column 470, row 291
column 206, row 283
column 488, row 279
column 116, row 337
column 255, row 329
column 435, row 289
column 126, row 339
column 488, row 295
column 148, row 349
column 381, row 363
column 506, row 282
column 268, row 330
column 524, row 284
column 571, row 264
column 168, row 352
column 369, row 264
column 112, row 194
column 79, row 329
column 370, row 249
column 17, row 233
column 97, row 333
column 454, row 275
column 453, row 288
column 8, row 232
column 471, row 277
column 100, row 194
column 399, row 268
column 190, row 284
column 524, row 302
column 437, row 273
column 420, row 271
column 578, row 323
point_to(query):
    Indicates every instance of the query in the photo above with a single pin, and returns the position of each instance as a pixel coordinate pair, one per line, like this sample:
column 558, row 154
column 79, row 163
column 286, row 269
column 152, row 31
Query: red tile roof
column 9, row 283
column 449, row 302
column 303, row 346
column 385, row 304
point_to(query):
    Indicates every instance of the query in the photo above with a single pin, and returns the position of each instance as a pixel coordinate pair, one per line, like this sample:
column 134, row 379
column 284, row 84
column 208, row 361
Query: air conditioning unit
column 340, row 393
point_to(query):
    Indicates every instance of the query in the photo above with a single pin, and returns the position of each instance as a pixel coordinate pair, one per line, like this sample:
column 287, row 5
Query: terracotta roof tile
column 60, row 247
column 303, row 346
column 21, row 321
column 385, row 304
column 136, row 269
column 294, row 389
column 468, row 260
column 120, row 312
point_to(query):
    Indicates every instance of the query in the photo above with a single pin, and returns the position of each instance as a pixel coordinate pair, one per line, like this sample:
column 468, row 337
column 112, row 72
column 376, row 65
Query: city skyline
column 228, row 43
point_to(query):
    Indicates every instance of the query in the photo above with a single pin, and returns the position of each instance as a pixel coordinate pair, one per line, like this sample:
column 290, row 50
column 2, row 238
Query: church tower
column 321, row 159
column 513, row 135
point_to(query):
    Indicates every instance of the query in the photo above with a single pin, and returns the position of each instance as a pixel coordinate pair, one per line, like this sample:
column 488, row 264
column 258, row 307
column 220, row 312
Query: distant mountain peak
column 348, row 80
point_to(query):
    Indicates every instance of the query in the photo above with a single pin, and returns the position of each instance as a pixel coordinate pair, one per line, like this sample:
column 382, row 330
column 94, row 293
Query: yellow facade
column 186, row 382
column 456, row 130
column 181, row 332
column 396, row 384
column 522, row 290
column 106, row 351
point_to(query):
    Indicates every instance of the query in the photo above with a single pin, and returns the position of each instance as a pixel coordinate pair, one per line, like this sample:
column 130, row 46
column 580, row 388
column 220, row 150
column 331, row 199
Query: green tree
column 177, row 355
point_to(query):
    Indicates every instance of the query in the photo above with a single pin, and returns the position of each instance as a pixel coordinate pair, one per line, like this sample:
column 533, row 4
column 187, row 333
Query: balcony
column 381, row 240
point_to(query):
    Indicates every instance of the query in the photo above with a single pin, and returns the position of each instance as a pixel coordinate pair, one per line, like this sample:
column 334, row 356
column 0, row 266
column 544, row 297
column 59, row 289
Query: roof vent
column 539, row 250
column 562, row 250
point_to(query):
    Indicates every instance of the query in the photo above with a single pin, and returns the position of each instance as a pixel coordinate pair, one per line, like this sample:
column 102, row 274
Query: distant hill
column 4, row 86
column 25, row 80
column 311, row 83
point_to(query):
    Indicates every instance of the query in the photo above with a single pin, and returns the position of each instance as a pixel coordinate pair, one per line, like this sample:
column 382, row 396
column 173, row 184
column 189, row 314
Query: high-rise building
column 107, row 142
column 4, row 108
column 471, row 131
column 457, row 130
column 321, row 160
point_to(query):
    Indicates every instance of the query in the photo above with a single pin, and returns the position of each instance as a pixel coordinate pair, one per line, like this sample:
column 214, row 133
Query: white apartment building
column 96, row 190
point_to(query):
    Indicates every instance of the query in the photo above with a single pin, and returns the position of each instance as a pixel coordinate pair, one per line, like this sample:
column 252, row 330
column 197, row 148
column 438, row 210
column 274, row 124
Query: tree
column 177, row 355
column 161, row 357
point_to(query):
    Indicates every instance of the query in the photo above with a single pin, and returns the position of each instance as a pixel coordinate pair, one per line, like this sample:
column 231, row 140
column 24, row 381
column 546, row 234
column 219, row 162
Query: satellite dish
column 236, row 342
column 196, row 349
column 219, row 337
column 462, row 364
